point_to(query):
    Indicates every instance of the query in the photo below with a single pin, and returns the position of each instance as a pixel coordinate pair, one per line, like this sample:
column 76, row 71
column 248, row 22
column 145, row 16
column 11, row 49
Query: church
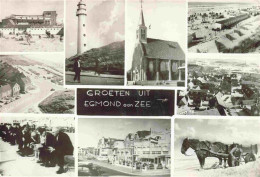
column 156, row 61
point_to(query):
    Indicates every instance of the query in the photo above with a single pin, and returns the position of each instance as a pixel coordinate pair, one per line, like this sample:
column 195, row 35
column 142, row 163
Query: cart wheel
column 250, row 157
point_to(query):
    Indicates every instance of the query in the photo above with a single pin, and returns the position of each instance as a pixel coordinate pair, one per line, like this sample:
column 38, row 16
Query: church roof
column 161, row 49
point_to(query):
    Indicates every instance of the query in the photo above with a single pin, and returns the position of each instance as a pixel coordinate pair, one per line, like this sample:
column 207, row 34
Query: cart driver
column 236, row 154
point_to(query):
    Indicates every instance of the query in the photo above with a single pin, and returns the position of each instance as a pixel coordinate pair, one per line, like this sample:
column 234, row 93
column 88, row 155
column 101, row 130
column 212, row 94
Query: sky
column 167, row 19
column 105, row 23
column 91, row 130
column 31, row 7
column 242, row 131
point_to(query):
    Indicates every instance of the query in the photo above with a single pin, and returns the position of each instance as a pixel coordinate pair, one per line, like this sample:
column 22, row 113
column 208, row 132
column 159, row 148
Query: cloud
column 118, row 36
column 191, row 132
column 105, row 26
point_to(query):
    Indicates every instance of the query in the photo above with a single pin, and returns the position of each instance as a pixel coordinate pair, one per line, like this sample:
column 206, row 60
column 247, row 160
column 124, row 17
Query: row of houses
column 33, row 24
column 141, row 147
column 13, row 89
column 232, row 21
column 223, row 91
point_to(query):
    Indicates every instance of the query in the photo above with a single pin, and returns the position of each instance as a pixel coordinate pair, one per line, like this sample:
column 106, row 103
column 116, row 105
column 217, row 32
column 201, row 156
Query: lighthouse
column 81, row 14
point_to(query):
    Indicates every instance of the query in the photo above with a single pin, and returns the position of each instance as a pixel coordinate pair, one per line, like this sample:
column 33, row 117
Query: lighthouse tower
column 81, row 14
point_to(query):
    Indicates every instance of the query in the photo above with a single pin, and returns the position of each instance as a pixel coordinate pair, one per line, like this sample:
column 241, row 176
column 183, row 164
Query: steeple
column 141, row 23
column 141, row 32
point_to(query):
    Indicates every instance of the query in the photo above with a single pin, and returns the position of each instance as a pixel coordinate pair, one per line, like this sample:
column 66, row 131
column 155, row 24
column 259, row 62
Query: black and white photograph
column 124, row 147
column 221, row 85
column 31, row 26
column 125, row 102
column 95, row 42
column 37, row 146
column 224, row 26
column 155, row 43
column 34, row 84
column 216, row 147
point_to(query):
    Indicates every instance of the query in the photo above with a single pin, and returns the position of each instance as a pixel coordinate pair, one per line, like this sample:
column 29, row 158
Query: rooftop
column 162, row 49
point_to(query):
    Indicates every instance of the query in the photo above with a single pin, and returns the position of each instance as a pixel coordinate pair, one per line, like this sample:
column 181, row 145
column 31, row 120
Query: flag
column 154, row 140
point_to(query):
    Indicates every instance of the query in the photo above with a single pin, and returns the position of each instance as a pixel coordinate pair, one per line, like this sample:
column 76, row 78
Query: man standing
column 63, row 146
column 235, row 155
column 77, row 69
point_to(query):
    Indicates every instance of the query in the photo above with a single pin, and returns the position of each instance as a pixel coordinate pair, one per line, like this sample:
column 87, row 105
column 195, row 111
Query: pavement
column 90, row 78
column 173, row 83
column 128, row 170
column 12, row 164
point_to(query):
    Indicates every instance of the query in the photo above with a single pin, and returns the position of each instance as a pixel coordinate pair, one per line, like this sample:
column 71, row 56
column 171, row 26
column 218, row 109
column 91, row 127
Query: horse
column 204, row 149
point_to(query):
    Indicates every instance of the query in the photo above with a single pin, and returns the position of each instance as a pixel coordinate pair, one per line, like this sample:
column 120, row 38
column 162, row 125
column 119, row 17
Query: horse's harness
column 198, row 148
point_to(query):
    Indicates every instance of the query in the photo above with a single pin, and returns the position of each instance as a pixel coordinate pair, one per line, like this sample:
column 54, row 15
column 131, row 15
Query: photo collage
column 152, row 88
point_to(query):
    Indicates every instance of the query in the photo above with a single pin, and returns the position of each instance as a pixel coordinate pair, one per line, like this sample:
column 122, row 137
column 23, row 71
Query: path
column 30, row 99
column 89, row 78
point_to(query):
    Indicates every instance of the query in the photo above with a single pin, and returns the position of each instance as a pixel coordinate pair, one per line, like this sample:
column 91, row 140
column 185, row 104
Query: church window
column 84, row 25
column 174, row 67
column 151, row 66
column 84, row 45
column 163, row 66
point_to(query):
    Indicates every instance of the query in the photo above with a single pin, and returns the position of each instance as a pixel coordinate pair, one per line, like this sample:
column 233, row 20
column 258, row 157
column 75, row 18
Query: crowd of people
column 47, row 145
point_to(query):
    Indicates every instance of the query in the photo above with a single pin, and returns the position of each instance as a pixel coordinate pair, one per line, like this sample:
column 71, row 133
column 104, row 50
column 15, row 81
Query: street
column 94, row 80
column 107, row 169
column 29, row 101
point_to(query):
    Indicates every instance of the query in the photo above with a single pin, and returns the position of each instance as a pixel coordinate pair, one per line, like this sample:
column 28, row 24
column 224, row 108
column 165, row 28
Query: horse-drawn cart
column 248, row 154
column 233, row 153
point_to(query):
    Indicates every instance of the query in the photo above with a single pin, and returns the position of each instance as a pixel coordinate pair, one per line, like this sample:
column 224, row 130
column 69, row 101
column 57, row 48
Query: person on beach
column 28, row 38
